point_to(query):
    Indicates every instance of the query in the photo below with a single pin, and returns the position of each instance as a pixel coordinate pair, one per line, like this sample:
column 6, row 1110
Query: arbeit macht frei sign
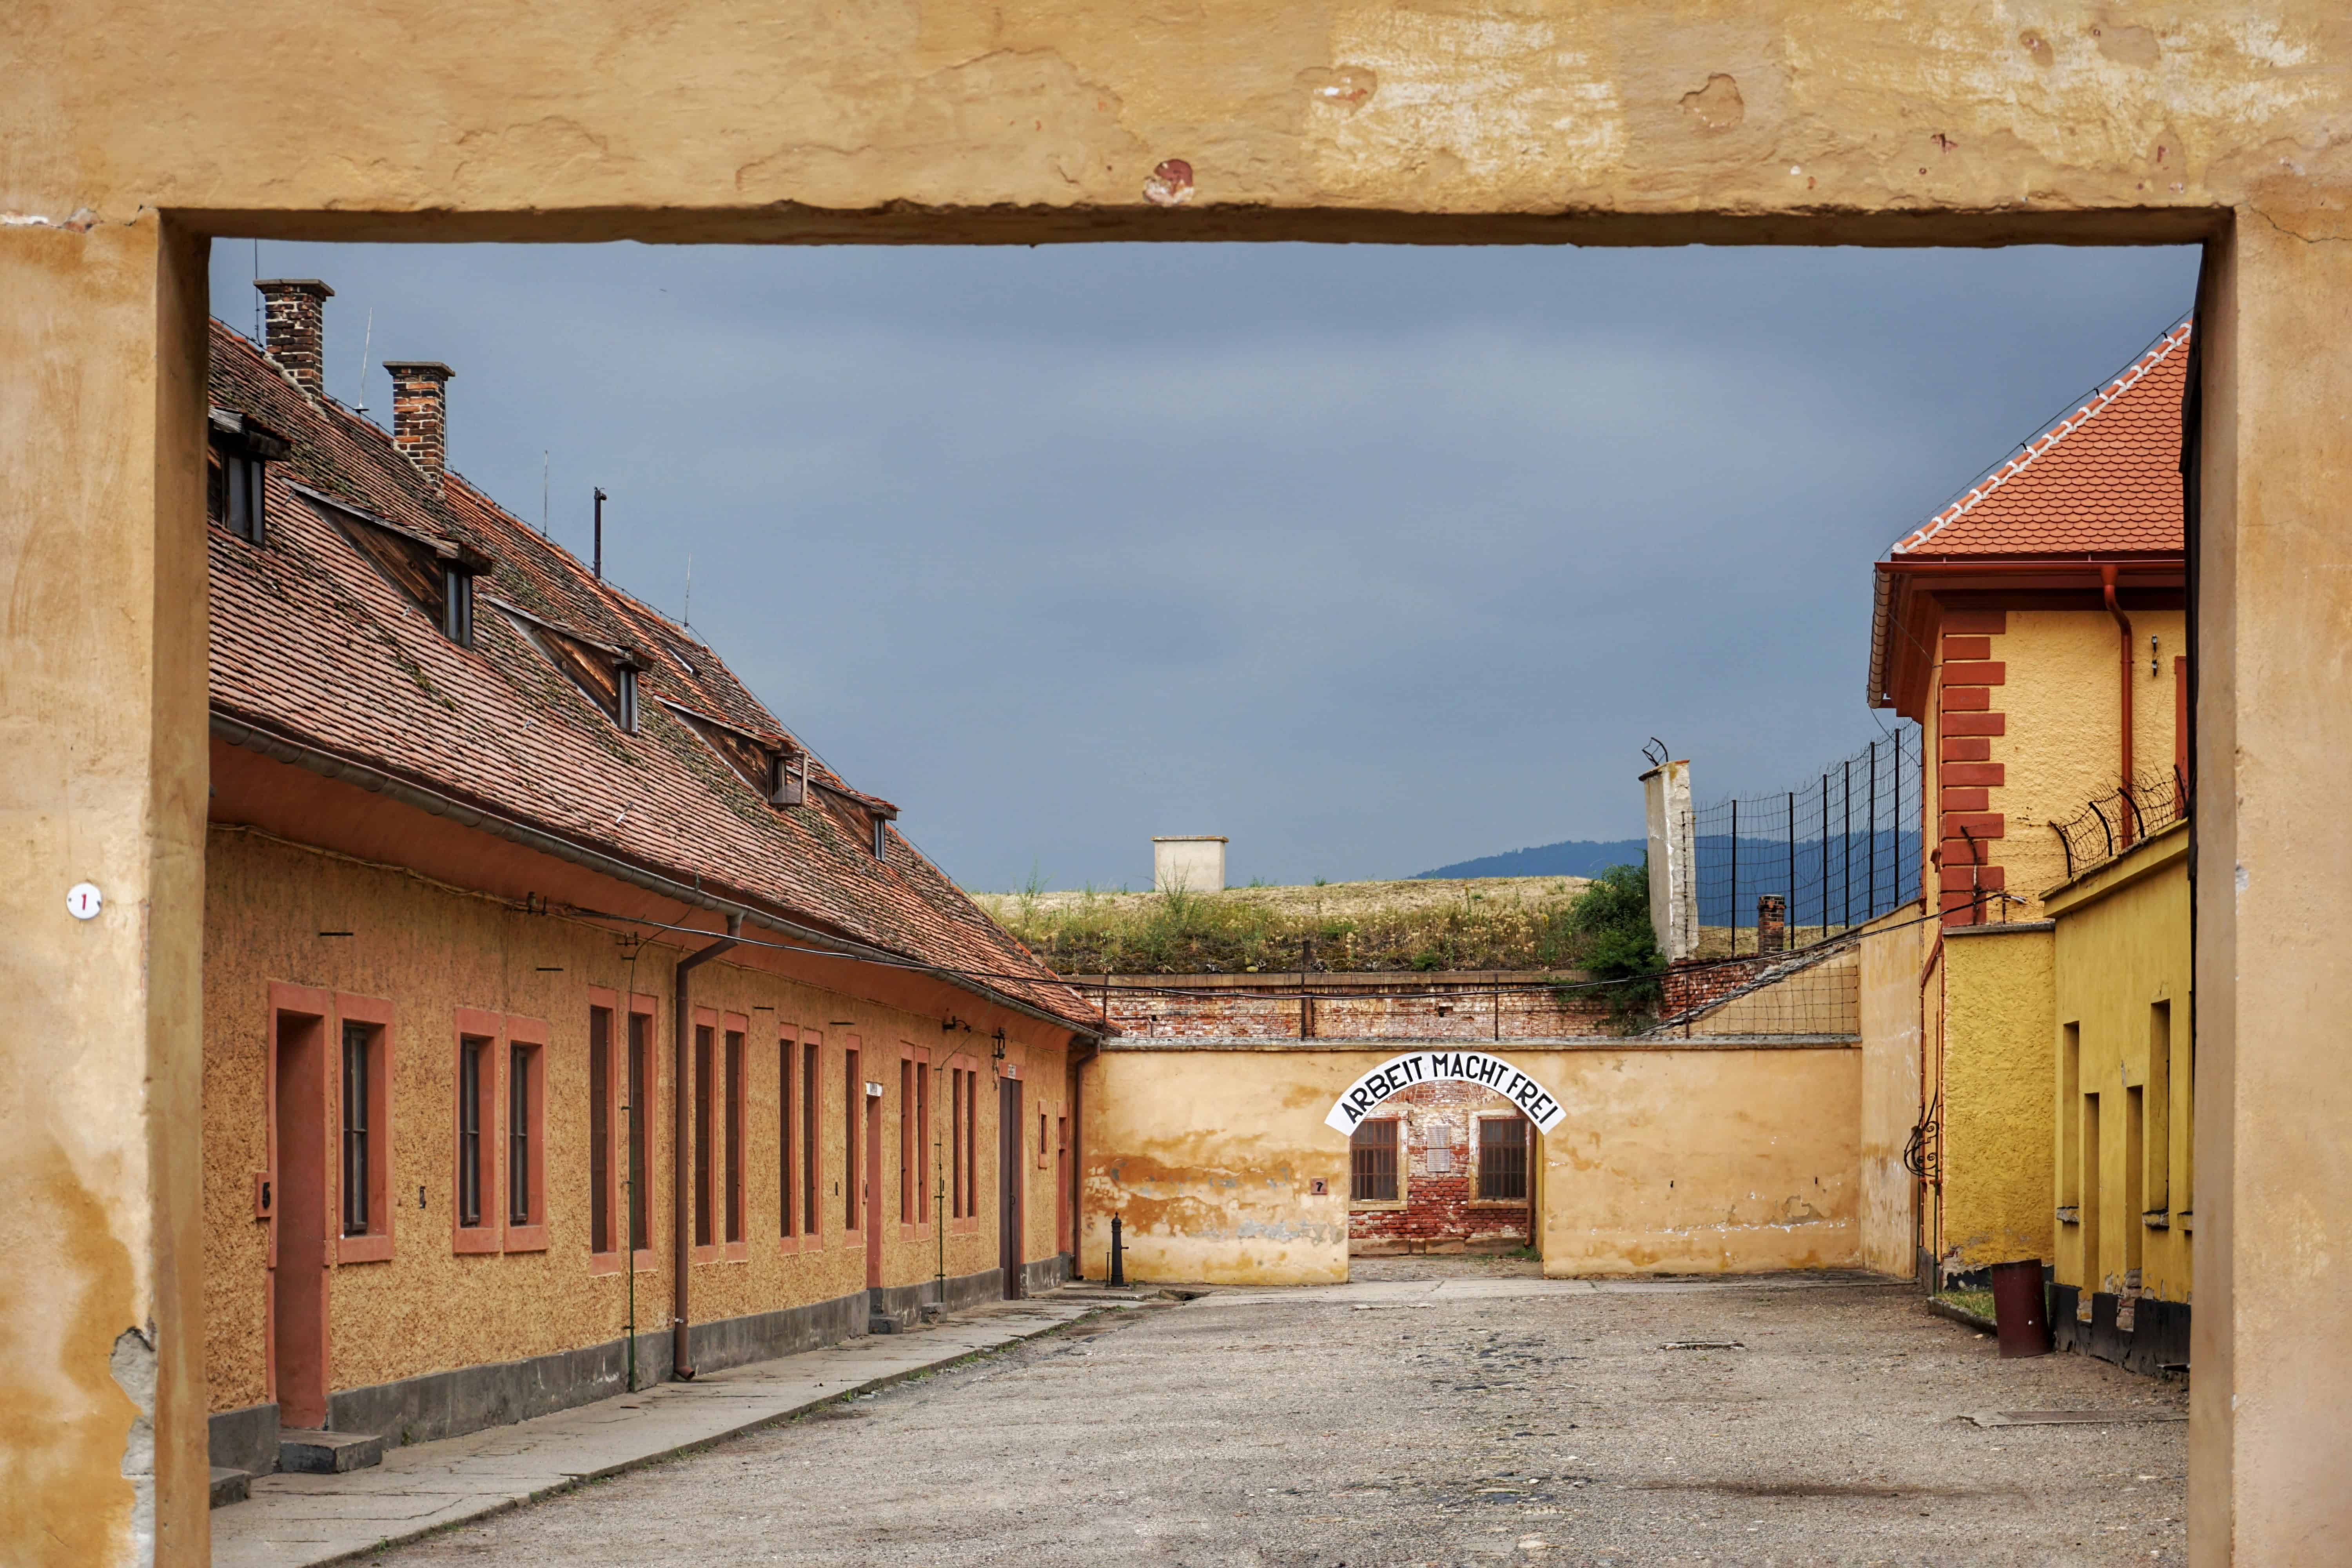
column 1414, row 1068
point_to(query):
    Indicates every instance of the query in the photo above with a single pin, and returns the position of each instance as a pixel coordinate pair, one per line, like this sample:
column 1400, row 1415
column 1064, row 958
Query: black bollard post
column 1118, row 1258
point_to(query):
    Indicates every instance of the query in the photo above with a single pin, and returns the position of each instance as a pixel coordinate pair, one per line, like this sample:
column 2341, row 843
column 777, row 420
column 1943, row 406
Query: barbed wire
column 2110, row 824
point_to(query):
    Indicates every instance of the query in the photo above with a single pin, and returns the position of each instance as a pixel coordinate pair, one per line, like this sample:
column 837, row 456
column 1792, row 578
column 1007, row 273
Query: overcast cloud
column 1371, row 558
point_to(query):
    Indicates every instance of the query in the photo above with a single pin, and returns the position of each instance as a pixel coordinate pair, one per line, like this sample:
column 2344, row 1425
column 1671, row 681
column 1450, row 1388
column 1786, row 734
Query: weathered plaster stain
column 1717, row 106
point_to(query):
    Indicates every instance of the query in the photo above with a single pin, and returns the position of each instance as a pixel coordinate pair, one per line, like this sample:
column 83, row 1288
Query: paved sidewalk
column 302, row 1519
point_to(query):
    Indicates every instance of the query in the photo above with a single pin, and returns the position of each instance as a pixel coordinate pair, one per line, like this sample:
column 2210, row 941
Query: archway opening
column 1447, row 1168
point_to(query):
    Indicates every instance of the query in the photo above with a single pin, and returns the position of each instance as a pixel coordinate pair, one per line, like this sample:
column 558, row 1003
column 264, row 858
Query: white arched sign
column 1434, row 1065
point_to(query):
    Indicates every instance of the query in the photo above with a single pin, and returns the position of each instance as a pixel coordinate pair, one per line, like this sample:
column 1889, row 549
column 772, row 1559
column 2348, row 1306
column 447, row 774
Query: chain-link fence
column 1784, row 870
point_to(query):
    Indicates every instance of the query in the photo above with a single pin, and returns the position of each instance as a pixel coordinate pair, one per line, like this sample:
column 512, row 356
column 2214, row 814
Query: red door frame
column 873, row 1205
column 301, row 1213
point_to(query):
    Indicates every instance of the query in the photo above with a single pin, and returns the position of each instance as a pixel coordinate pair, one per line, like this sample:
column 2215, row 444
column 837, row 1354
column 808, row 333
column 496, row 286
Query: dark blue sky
column 1369, row 558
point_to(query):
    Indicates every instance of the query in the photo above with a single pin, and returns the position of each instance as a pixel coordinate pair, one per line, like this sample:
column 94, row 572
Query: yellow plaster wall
column 1893, row 951
column 1721, row 1160
column 1996, row 1057
column 1712, row 1160
column 2062, row 745
column 1210, row 1159
column 2122, row 946
column 430, row 951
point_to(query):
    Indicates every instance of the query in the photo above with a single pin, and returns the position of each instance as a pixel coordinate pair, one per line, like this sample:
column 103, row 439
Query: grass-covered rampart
column 1518, row 923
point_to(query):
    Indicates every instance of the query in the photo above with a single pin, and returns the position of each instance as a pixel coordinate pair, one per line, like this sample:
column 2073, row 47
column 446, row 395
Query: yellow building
column 567, row 1027
column 2125, row 1103
column 2035, row 630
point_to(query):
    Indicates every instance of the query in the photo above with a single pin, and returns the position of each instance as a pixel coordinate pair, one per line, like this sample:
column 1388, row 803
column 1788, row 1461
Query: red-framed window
column 812, row 1142
column 604, row 1104
column 643, row 1088
column 474, row 1142
column 964, row 1141
column 853, row 1121
column 361, row 1085
column 913, row 1136
column 788, row 1095
column 734, row 1069
column 704, row 1066
column 923, row 1158
column 525, row 1123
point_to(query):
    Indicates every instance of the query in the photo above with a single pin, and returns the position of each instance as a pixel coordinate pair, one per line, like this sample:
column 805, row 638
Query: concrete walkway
column 301, row 1520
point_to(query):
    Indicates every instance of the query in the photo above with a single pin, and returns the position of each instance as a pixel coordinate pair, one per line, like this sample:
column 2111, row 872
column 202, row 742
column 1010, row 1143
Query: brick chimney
column 420, row 411
column 297, row 330
column 1771, row 922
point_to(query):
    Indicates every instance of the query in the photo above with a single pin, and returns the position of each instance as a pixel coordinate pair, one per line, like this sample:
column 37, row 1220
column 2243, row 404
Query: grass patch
column 1512, row 924
column 1977, row 1302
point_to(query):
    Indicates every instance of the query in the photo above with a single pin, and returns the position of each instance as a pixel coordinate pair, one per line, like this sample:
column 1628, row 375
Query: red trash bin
column 2021, row 1308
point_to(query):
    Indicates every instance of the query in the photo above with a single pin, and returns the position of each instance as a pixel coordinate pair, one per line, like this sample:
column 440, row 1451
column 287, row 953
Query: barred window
column 1503, row 1157
column 1372, row 1162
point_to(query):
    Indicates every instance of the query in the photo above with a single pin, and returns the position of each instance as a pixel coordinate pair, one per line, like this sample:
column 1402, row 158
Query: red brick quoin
column 1966, row 722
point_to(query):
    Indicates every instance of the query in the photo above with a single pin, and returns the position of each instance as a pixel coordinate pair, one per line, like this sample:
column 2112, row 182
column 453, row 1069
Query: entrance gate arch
column 1439, row 1064
column 1442, row 1063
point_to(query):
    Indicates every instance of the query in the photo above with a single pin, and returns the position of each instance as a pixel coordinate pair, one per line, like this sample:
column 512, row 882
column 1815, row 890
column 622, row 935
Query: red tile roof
column 311, row 642
column 2104, row 481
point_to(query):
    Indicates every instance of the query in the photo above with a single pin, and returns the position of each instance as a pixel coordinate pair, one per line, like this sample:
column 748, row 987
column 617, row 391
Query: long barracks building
column 566, row 1023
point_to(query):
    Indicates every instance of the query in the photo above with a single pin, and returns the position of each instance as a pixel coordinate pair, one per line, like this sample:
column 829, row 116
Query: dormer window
column 235, row 473
column 438, row 574
column 778, row 772
column 457, row 604
column 865, row 814
column 606, row 675
column 788, row 780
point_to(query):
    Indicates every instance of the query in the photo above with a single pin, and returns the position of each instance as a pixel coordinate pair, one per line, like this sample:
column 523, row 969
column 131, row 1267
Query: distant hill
column 1571, row 857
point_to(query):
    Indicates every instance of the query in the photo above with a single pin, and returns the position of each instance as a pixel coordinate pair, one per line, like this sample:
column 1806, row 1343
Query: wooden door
column 1008, row 1240
column 1062, row 1184
column 297, row 1282
column 872, row 1209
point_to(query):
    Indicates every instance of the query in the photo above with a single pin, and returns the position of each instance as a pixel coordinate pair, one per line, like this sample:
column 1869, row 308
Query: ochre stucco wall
column 1893, row 951
column 1672, row 1158
column 2064, row 702
column 1210, row 1157
column 431, row 950
column 2122, row 947
column 1703, row 1161
column 1997, row 1059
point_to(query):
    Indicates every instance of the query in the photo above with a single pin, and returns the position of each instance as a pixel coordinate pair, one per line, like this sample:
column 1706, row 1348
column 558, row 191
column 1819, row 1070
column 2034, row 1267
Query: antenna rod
column 600, row 536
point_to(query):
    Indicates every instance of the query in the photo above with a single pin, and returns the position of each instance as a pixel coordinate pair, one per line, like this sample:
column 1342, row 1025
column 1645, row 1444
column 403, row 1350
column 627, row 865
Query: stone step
column 230, row 1486
column 328, row 1453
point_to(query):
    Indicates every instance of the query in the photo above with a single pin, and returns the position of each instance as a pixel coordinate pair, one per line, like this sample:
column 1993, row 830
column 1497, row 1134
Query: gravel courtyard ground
column 1442, row 1418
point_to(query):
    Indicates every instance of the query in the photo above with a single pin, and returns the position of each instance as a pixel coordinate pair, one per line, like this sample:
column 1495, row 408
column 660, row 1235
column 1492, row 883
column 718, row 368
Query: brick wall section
column 1441, row 1012
column 1439, row 1213
column 1969, row 829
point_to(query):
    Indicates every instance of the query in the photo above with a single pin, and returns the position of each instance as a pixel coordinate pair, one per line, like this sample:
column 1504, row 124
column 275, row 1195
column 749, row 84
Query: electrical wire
column 1301, row 992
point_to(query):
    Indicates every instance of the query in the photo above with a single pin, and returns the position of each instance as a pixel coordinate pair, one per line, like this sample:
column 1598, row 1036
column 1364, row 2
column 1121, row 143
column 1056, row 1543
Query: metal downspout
column 2122, row 622
column 681, row 1172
